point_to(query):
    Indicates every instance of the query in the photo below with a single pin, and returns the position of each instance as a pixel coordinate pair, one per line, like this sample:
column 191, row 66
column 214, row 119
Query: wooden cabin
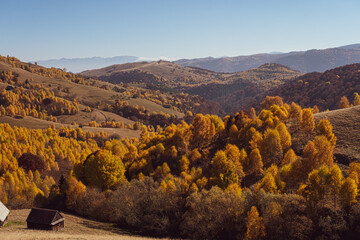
column 45, row 219
column 4, row 213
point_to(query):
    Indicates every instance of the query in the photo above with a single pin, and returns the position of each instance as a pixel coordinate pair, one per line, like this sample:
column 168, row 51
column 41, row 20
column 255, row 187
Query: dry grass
column 75, row 228
column 168, row 70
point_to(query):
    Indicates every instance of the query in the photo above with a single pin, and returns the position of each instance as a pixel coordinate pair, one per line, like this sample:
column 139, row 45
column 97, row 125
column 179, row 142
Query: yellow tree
column 348, row 192
column 289, row 157
column 356, row 99
column 344, row 102
column 318, row 182
column 271, row 181
column 336, row 181
column 255, row 165
column 224, row 170
column 74, row 191
column 317, row 153
column 315, row 109
column 295, row 112
column 255, row 228
column 253, row 114
column 285, row 137
column 307, row 120
column 104, row 170
column 268, row 184
column 325, row 128
column 202, row 129
column 270, row 100
column 271, row 149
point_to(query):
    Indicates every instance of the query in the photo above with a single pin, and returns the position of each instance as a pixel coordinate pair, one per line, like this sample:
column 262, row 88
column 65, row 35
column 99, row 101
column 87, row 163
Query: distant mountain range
column 77, row 65
column 303, row 61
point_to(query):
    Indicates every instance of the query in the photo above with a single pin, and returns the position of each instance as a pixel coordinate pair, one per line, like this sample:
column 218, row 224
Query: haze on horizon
column 40, row 30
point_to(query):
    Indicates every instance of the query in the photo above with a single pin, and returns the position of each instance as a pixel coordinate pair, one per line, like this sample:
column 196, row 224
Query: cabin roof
column 4, row 212
column 44, row 216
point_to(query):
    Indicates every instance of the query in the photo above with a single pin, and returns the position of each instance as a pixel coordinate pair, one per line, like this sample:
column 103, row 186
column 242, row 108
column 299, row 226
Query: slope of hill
column 161, row 73
column 230, row 64
column 75, row 228
column 321, row 89
column 196, row 81
column 304, row 61
column 81, row 64
column 346, row 127
column 239, row 89
column 91, row 94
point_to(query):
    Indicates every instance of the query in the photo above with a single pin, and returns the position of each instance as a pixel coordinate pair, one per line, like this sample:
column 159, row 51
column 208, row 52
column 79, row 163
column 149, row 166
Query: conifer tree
column 348, row 192
column 271, row 149
column 344, row 102
column 356, row 99
column 255, row 229
column 307, row 120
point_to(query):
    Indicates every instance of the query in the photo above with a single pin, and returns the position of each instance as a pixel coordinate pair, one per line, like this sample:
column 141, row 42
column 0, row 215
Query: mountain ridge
column 305, row 61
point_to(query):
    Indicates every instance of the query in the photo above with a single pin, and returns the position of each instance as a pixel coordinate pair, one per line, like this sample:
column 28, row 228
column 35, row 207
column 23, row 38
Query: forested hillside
column 322, row 89
column 259, row 174
column 132, row 102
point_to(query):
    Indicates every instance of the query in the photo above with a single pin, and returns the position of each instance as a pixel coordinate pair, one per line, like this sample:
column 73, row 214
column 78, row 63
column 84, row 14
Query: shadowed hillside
column 163, row 73
column 322, row 89
column 241, row 88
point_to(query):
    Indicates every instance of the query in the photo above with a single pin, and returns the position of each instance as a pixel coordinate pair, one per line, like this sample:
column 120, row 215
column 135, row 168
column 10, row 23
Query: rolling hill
column 303, row 61
column 160, row 73
column 242, row 88
column 321, row 89
column 85, row 94
column 216, row 87
column 77, row 65
column 262, row 78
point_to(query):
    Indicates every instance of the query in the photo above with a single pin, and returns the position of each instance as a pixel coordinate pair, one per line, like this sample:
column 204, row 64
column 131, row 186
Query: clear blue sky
column 39, row 30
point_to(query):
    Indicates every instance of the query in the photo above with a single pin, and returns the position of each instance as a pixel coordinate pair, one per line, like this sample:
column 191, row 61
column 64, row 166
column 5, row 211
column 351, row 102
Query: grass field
column 75, row 228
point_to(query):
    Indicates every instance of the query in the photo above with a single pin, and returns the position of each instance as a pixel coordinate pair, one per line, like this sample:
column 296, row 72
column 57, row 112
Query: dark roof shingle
column 44, row 216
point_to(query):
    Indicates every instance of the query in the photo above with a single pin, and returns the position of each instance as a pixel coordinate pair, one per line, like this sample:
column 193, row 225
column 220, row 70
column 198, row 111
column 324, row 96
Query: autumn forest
column 194, row 169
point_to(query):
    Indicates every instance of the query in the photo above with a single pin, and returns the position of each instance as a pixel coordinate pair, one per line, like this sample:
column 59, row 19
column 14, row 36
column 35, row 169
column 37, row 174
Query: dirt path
column 75, row 228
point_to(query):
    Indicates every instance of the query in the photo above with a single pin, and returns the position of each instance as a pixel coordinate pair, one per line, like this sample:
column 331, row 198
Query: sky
column 175, row 29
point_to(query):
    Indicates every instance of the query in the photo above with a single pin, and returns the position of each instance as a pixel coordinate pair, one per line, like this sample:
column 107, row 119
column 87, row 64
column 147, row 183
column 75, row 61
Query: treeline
column 241, row 177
